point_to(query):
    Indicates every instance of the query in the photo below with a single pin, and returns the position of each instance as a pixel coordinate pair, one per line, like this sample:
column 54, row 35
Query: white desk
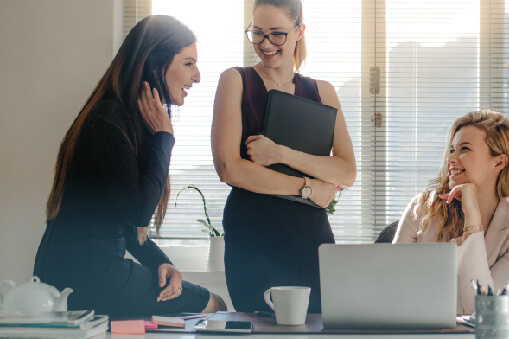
column 298, row 336
column 267, row 329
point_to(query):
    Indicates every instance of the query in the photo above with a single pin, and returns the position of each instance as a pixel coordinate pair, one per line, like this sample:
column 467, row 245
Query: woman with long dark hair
column 112, row 174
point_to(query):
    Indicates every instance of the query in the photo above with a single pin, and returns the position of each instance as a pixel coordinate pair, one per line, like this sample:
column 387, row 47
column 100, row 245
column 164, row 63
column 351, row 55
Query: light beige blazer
column 479, row 257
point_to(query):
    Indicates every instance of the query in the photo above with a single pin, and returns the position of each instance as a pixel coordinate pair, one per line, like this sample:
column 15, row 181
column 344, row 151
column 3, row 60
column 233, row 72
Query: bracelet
column 475, row 228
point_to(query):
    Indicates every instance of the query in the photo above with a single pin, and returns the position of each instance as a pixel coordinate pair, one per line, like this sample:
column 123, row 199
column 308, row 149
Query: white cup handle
column 5, row 282
column 266, row 296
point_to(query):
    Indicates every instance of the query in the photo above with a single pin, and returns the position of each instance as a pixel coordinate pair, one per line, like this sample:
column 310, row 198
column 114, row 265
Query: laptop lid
column 386, row 286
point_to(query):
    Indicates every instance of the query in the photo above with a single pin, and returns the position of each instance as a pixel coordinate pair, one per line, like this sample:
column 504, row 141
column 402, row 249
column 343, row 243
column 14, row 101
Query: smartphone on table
column 224, row 326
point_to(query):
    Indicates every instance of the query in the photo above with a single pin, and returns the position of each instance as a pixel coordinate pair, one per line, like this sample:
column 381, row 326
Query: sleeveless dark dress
column 270, row 241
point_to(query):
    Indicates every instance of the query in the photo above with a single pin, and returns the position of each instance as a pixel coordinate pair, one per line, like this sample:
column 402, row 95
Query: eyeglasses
column 275, row 38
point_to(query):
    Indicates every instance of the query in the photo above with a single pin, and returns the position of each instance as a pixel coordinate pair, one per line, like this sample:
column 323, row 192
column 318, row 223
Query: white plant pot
column 215, row 258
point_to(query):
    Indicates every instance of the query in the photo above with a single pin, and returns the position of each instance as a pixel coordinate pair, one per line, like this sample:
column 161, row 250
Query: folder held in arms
column 300, row 124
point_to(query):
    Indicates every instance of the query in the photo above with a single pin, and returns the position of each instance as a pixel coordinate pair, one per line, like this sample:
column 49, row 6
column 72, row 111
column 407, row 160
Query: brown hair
column 496, row 127
column 145, row 55
column 294, row 12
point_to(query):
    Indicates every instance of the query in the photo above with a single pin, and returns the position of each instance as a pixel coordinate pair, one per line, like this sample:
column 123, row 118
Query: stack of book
column 70, row 324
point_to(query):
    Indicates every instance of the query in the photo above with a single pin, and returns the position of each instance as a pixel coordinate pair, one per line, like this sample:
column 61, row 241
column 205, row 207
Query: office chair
column 387, row 233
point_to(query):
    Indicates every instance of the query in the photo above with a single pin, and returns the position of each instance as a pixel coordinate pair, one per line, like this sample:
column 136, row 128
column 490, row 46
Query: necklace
column 277, row 83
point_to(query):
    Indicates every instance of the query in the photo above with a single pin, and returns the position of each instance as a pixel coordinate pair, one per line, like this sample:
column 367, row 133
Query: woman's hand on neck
column 468, row 195
column 478, row 205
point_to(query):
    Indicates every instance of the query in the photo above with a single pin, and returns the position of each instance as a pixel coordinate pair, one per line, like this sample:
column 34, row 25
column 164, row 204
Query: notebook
column 386, row 286
column 300, row 124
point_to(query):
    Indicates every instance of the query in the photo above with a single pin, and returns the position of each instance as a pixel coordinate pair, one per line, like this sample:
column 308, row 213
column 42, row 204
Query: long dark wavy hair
column 145, row 55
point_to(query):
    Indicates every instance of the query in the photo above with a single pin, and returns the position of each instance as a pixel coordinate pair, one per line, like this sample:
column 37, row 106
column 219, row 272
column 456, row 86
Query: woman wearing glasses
column 272, row 241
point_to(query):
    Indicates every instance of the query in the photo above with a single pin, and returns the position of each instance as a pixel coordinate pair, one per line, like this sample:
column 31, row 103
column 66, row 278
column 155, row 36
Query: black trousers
column 102, row 280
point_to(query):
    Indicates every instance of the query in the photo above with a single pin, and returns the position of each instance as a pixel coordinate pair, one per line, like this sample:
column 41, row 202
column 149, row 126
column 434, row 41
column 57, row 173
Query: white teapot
column 33, row 297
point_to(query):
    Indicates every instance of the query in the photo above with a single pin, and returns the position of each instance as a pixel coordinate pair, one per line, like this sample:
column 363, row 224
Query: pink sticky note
column 127, row 327
column 150, row 325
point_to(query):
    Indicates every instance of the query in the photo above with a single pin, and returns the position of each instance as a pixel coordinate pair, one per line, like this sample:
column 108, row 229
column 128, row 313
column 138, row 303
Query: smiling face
column 470, row 159
column 182, row 74
column 269, row 19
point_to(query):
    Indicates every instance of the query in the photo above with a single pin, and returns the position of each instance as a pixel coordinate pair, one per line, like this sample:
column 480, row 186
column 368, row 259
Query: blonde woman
column 272, row 241
column 468, row 203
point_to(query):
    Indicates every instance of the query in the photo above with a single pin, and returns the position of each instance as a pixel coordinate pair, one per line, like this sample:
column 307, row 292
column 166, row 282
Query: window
column 134, row 11
column 435, row 61
column 220, row 46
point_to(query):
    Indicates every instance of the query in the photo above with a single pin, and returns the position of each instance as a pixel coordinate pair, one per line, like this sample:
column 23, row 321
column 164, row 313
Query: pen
column 479, row 292
column 200, row 321
column 490, row 291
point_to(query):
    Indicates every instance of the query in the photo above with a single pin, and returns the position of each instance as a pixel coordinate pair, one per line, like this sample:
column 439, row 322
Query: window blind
column 435, row 61
column 134, row 11
column 403, row 70
column 220, row 44
column 443, row 59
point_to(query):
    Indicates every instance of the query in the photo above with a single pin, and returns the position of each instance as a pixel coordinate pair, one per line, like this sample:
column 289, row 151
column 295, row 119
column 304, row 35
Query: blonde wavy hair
column 293, row 9
column 496, row 126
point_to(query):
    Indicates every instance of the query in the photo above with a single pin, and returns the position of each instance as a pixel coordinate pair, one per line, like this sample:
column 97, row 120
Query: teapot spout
column 60, row 304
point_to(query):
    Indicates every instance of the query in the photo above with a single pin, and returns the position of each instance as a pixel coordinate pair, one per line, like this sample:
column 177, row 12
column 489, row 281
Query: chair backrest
column 387, row 233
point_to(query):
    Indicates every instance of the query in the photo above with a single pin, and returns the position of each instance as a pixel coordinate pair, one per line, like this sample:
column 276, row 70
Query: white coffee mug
column 289, row 302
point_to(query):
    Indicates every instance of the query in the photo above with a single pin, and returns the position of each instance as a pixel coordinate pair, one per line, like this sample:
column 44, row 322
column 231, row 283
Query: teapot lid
column 35, row 283
column 32, row 297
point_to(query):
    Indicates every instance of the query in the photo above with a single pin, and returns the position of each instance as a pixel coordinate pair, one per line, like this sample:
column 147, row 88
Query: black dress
column 109, row 193
column 270, row 241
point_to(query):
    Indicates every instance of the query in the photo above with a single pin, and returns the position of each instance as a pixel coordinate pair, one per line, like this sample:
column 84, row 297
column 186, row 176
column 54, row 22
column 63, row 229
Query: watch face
column 306, row 192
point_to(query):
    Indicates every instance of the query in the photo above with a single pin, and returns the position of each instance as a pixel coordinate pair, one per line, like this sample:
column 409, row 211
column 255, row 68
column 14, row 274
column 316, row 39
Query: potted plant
column 211, row 230
column 215, row 258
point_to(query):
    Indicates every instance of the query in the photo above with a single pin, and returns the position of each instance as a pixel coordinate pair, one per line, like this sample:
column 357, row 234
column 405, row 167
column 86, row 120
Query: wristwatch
column 306, row 191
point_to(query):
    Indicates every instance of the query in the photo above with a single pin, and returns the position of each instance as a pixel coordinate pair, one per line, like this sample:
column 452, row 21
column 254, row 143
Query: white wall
column 52, row 54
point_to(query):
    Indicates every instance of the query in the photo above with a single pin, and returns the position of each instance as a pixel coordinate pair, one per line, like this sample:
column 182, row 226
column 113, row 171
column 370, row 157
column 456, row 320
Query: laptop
column 386, row 286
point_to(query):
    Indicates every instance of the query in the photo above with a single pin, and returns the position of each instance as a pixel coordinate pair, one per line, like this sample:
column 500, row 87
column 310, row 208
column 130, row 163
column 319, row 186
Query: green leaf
column 331, row 208
column 332, row 205
column 211, row 230
column 204, row 223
